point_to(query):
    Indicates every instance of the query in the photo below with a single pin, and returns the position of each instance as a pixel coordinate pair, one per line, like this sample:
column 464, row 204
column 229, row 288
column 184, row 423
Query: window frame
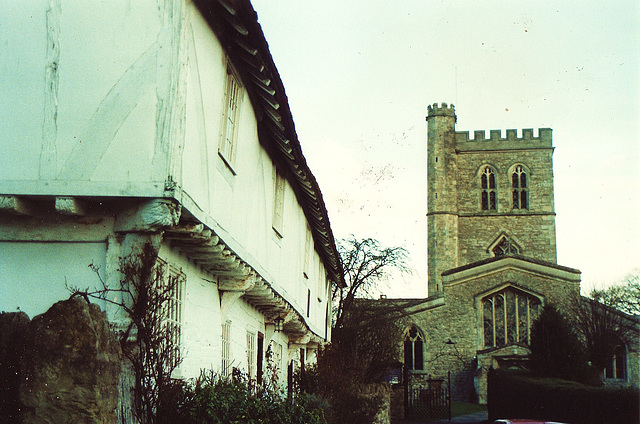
column 233, row 96
column 226, row 349
column 488, row 185
column 507, row 246
column 416, row 349
column 520, row 183
column 278, row 202
column 251, row 354
column 509, row 319
column 172, row 312
column 616, row 369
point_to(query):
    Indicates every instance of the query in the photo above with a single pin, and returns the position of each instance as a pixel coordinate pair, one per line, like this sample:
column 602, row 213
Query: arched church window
column 617, row 367
column 413, row 349
column 488, row 189
column 520, row 188
column 505, row 247
column 508, row 316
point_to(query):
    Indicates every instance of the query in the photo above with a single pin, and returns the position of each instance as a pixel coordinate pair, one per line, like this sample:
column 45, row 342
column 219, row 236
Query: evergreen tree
column 556, row 351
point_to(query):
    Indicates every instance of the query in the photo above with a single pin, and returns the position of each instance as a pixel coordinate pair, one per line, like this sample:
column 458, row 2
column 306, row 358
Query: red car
column 523, row 421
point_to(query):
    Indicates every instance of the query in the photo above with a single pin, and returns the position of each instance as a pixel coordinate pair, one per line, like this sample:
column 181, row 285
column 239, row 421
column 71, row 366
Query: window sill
column 227, row 163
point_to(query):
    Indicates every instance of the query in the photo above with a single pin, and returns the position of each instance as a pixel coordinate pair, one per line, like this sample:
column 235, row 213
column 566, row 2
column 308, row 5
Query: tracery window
column 617, row 367
column 505, row 247
column 520, row 188
column 508, row 316
column 413, row 350
column 488, row 189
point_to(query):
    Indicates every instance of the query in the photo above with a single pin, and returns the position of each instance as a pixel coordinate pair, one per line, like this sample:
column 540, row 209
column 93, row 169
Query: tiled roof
column 235, row 23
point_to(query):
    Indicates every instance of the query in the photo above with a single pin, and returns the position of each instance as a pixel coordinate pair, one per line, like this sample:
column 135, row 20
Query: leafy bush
column 338, row 380
column 211, row 399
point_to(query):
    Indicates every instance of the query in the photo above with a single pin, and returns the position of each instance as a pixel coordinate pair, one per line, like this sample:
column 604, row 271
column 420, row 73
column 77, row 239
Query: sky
column 359, row 75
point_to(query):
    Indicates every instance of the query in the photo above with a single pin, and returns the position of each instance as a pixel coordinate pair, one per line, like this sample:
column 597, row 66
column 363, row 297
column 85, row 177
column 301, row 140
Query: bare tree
column 150, row 339
column 624, row 297
column 603, row 323
column 366, row 264
column 365, row 336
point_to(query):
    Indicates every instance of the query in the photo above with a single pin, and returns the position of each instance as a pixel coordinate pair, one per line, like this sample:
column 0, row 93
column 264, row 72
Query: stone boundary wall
column 381, row 392
column 62, row 366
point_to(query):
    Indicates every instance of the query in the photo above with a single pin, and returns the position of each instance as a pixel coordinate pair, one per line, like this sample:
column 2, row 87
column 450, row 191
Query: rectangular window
column 308, row 302
column 278, row 203
column 226, row 348
column 322, row 282
column 172, row 284
column 251, row 354
column 228, row 142
column 308, row 246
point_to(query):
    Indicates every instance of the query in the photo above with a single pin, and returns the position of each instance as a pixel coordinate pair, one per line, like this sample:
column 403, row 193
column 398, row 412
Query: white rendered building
column 133, row 122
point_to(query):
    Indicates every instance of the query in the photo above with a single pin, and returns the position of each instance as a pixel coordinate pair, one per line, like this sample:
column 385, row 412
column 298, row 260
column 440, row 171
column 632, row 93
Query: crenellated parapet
column 444, row 110
column 544, row 138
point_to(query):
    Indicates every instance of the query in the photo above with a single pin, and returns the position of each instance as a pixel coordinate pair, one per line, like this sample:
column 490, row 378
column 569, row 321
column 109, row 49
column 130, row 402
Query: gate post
column 405, row 381
column 449, row 392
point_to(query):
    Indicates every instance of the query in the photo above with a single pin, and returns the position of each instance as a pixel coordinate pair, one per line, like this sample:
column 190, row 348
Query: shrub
column 556, row 351
column 336, row 379
column 211, row 399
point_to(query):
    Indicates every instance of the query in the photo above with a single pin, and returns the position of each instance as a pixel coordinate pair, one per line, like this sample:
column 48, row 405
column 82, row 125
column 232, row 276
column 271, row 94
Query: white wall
column 240, row 199
column 95, row 106
column 81, row 83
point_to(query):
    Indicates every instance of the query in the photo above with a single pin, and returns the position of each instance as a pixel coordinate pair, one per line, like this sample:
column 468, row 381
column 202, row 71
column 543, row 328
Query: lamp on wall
column 278, row 323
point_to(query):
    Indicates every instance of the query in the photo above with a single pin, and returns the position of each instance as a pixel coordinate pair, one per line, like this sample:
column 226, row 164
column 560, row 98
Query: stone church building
column 492, row 260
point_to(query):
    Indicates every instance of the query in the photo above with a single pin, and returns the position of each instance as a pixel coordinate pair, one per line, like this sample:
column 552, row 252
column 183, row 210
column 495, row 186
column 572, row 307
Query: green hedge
column 517, row 396
column 211, row 399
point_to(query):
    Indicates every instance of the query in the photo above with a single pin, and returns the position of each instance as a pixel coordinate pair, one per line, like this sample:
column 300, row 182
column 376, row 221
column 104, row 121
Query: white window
column 278, row 203
column 308, row 248
column 322, row 282
column 228, row 142
column 251, row 354
column 226, row 348
column 172, row 287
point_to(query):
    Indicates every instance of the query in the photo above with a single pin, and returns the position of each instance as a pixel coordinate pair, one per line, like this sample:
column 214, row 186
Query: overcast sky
column 360, row 74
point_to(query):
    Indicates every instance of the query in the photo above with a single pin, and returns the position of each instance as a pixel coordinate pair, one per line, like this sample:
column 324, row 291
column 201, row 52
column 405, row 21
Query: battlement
column 495, row 136
column 444, row 110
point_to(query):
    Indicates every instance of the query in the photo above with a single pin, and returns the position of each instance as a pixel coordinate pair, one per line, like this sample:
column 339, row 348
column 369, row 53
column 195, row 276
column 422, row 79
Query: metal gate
column 429, row 403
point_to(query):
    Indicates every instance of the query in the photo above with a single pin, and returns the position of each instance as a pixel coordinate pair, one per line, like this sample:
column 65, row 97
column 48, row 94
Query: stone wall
column 454, row 332
column 381, row 393
column 532, row 228
column 64, row 366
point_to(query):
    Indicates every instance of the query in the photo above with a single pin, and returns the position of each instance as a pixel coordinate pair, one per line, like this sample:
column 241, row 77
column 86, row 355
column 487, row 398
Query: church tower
column 442, row 198
column 486, row 197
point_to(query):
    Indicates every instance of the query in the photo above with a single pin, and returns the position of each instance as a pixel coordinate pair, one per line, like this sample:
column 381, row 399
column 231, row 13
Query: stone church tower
column 491, row 254
column 486, row 196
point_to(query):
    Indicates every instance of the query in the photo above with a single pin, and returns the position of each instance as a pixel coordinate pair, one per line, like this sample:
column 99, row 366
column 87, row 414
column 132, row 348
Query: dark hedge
column 518, row 396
